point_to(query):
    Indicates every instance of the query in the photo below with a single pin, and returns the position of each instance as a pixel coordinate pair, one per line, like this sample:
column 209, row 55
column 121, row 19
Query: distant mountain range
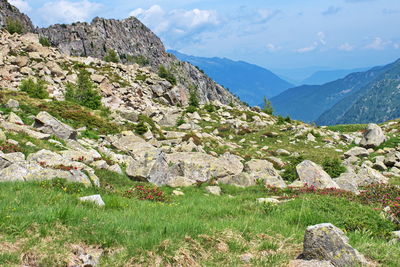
column 361, row 97
column 314, row 75
column 249, row 82
column 325, row 76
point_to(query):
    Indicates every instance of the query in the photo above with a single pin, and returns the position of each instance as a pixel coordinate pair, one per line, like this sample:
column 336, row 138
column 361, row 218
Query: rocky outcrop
column 10, row 12
column 313, row 175
column 130, row 38
column 47, row 124
column 328, row 243
column 373, row 136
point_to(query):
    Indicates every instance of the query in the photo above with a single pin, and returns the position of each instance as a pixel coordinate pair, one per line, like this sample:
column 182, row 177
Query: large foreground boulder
column 50, row 125
column 373, row 136
column 313, row 175
column 326, row 242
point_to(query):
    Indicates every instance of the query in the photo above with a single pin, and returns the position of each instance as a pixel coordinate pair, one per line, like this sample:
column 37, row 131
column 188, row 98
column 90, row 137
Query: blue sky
column 270, row 33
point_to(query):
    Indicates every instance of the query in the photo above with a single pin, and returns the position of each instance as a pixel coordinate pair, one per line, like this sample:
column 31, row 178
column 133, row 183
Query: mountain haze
column 249, row 82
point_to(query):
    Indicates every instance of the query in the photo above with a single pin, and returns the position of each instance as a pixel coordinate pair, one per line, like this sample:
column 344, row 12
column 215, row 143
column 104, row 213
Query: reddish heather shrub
column 151, row 193
column 9, row 148
column 378, row 195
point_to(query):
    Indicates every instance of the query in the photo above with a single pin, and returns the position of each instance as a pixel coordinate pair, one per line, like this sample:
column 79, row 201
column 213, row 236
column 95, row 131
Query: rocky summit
column 114, row 164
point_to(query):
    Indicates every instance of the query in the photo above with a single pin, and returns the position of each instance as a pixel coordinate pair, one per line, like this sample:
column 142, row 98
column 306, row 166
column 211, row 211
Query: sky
column 276, row 34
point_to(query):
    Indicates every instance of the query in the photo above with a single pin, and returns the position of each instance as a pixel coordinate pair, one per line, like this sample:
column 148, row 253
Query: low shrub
column 282, row 120
column 9, row 148
column 191, row 109
column 34, row 89
column 164, row 73
column 141, row 128
column 290, row 174
column 140, row 60
column 180, row 121
column 333, row 166
column 147, row 192
column 111, row 56
column 14, row 26
column 44, row 41
column 209, row 107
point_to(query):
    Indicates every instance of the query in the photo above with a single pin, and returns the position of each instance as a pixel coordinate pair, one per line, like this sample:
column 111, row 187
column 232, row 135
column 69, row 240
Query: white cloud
column 22, row 5
column 346, row 47
column 177, row 21
column 67, row 11
column 396, row 46
column 377, row 44
column 316, row 44
column 321, row 38
column 308, row 48
column 273, row 48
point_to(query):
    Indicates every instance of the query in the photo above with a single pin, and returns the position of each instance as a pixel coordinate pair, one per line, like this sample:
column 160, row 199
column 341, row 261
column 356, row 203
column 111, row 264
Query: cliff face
column 131, row 38
column 8, row 11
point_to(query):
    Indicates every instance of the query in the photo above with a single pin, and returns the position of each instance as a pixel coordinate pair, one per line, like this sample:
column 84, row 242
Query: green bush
column 34, row 89
column 140, row 60
column 283, row 120
column 84, row 92
column 141, row 128
column 290, row 173
column 333, row 167
column 14, row 26
column 209, row 108
column 164, row 73
column 180, row 121
column 44, row 41
column 191, row 109
column 111, row 56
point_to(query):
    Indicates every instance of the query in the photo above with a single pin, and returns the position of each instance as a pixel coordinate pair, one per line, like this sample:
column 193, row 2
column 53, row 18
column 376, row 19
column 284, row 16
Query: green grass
column 130, row 228
column 347, row 128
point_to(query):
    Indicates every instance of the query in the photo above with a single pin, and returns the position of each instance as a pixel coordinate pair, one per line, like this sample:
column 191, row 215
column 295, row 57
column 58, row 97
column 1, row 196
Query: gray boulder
column 96, row 199
column 214, row 190
column 356, row 152
column 313, row 175
column 373, row 136
column 327, row 242
column 367, row 176
column 12, row 103
column 348, row 181
column 50, row 125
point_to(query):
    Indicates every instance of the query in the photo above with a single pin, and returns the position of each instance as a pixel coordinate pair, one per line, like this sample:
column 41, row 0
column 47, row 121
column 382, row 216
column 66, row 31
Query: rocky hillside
column 309, row 102
column 249, row 82
column 378, row 101
column 103, row 184
column 134, row 43
column 11, row 15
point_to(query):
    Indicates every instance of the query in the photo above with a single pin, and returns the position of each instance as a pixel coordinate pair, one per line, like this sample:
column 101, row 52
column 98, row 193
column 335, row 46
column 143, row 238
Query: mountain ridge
column 308, row 102
column 250, row 82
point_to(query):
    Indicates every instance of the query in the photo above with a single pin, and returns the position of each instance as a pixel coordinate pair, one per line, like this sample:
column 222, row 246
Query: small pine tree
column 111, row 56
column 267, row 106
column 193, row 99
column 34, row 89
column 84, row 92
